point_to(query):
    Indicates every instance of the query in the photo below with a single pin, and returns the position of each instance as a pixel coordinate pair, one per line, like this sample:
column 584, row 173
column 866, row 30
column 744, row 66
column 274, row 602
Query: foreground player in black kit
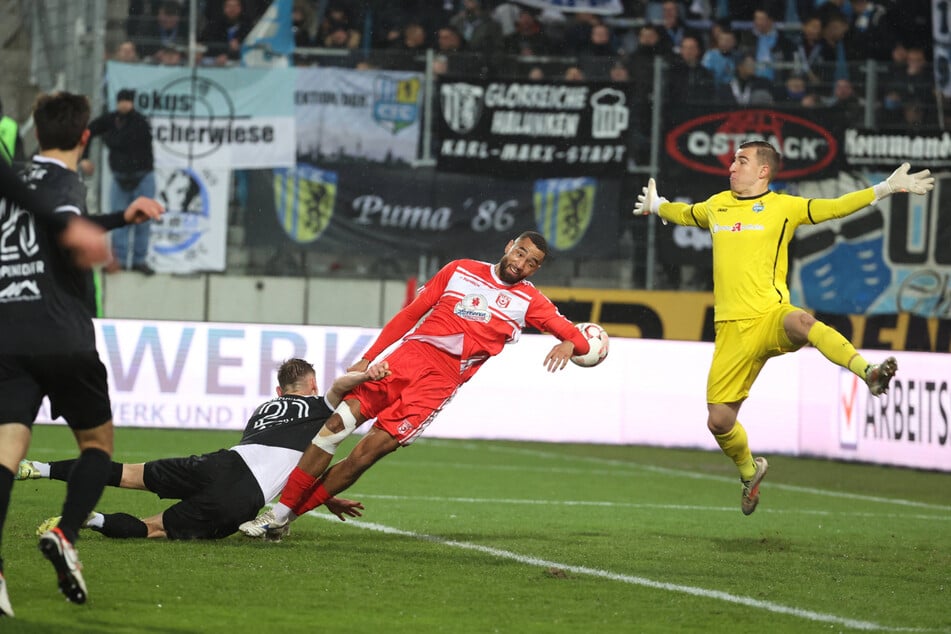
column 47, row 339
column 222, row 489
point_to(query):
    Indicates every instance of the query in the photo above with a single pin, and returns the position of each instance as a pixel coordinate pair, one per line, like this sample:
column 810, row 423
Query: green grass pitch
column 489, row 536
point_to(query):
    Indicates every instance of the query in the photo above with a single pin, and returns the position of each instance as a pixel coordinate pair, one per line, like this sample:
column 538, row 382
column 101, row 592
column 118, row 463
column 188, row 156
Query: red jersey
column 473, row 314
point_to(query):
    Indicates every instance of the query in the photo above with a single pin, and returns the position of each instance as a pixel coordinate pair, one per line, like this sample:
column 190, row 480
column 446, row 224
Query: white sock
column 43, row 468
column 95, row 520
column 282, row 512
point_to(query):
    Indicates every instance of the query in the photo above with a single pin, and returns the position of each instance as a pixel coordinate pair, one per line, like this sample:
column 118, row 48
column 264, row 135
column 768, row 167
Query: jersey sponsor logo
column 473, row 307
column 26, row 290
column 737, row 227
column 708, row 143
column 395, row 103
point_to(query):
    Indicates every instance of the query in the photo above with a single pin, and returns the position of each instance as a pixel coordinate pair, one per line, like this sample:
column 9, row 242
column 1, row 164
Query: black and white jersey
column 46, row 303
column 276, row 436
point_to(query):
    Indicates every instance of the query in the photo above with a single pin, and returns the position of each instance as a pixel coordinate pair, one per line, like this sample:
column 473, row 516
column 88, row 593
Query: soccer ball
column 598, row 339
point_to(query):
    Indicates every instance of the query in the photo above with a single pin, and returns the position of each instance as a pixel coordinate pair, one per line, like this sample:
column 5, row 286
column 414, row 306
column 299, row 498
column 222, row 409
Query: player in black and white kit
column 47, row 340
column 222, row 489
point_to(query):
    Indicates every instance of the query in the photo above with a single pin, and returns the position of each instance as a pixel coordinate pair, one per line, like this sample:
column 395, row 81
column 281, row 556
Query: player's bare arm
column 86, row 242
column 353, row 378
column 559, row 356
column 343, row 506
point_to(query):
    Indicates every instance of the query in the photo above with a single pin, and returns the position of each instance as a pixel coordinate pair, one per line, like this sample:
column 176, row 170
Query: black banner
column 884, row 150
column 382, row 212
column 699, row 145
column 523, row 129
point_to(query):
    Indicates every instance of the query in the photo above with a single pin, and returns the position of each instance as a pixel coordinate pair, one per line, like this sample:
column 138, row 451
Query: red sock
column 318, row 495
column 297, row 488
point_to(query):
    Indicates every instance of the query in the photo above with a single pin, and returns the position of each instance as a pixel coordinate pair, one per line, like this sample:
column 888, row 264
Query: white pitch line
column 690, row 474
column 639, row 505
column 769, row 606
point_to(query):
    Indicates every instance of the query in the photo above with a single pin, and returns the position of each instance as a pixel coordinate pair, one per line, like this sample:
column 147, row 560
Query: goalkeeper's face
column 748, row 177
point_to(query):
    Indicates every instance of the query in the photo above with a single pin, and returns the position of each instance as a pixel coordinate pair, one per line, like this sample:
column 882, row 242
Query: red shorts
column 422, row 380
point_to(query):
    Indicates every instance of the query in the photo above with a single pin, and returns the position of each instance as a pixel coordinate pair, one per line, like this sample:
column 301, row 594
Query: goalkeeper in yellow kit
column 752, row 228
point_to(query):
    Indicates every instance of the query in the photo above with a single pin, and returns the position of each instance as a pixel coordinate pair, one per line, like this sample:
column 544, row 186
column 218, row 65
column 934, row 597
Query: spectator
column 128, row 135
column 528, row 38
column 808, row 53
column 536, row 73
column 869, row 36
column 303, row 23
column 169, row 56
column 649, row 48
column 908, row 89
column 747, row 88
column 574, row 73
column 600, row 52
column 689, row 81
column 619, row 73
column 846, row 102
column 793, row 90
column 481, row 33
column 578, row 31
column 455, row 55
column 337, row 29
column 721, row 60
column 672, row 27
column 167, row 29
column 126, row 52
column 11, row 144
column 768, row 45
column 832, row 48
column 916, row 80
column 223, row 35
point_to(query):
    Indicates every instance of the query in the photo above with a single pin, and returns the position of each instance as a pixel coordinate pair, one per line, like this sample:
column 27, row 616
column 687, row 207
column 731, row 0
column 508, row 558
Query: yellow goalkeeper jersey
column 751, row 237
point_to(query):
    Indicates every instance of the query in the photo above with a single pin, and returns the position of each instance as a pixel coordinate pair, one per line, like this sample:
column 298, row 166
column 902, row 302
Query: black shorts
column 217, row 491
column 74, row 382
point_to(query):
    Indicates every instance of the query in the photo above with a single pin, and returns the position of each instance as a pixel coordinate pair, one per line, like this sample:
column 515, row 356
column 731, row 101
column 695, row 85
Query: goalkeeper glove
column 648, row 202
column 901, row 181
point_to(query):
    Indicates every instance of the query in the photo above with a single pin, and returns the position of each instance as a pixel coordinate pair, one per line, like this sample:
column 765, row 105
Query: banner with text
column 213, row 375
column 700, row 142
column 385, row 212
column 518, row 129
column 234, row 118
column 344, row 114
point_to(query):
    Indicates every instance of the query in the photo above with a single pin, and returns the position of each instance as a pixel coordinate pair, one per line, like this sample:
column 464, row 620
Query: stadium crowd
column 744, row 52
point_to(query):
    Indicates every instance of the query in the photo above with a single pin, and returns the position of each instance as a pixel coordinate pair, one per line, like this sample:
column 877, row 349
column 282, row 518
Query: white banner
column 192, row 234
column 343, row 113
column 234, row 118
column 649, row 392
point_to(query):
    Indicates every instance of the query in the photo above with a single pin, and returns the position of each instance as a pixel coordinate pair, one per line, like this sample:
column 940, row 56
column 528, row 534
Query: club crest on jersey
column 473, row 308
column 503, row 300
column 758, row 206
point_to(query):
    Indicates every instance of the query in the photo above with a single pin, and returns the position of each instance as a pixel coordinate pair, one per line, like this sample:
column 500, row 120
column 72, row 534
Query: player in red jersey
column 471, row 309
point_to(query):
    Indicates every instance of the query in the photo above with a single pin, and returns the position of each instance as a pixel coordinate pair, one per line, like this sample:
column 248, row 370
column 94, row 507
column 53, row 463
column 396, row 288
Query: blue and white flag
column 598, row 7
column 270, row 43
